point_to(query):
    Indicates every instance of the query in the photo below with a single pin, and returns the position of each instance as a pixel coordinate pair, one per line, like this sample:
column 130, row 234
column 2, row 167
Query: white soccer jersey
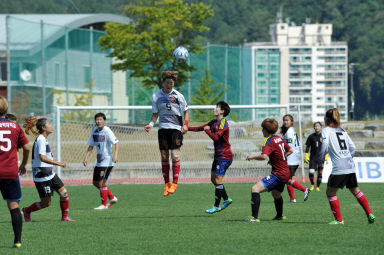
column 170, row 108
column 293, row 141
column 339, row 146
column 103, row 140
column 41, row 171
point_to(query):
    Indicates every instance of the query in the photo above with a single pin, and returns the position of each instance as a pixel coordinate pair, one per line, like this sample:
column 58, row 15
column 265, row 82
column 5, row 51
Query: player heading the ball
column 103, row 138
column 46, row 180
column 218, row 131
column 168, row 104
column 11, row 138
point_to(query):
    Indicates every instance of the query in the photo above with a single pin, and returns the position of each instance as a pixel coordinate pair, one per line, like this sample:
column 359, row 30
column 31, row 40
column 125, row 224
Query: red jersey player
column 11, row 138
column 218, row 131
column 277, row 150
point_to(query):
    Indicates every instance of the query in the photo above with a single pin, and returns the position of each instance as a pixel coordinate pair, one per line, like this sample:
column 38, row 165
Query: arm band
column 186, row 123
column 151, row 123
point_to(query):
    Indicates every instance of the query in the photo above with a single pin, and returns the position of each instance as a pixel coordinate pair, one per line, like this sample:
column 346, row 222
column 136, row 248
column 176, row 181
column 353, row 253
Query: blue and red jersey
column 219, row 132
column 275, row 147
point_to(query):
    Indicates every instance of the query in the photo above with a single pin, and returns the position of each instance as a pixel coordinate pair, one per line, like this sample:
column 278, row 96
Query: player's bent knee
column 175, row 154
column 63, row 193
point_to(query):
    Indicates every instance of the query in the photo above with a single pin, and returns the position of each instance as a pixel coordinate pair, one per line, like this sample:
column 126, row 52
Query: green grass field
column 143, row 222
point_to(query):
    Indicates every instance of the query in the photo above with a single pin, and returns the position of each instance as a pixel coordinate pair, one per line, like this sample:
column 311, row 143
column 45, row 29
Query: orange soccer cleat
column 166, row 189
column 173, row 188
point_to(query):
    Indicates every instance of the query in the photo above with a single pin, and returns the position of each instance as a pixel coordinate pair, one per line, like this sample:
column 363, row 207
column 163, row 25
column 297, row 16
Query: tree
column 206, row 94
column 145, row 45
column 83, row 99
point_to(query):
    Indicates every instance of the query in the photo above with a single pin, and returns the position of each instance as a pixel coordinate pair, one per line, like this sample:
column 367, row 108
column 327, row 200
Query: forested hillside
column 358, row 22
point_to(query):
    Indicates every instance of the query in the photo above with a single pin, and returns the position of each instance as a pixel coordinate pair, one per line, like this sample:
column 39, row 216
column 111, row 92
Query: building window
column 87, row 74
column 3, row 71
column 57, row 74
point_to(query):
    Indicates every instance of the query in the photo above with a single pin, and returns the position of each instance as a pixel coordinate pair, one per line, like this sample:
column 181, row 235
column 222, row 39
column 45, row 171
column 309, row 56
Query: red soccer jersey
column 275, row 147
column 219, row 133
column 11, row 137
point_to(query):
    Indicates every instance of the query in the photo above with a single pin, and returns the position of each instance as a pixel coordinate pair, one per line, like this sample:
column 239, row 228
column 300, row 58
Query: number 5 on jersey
column 5, row 140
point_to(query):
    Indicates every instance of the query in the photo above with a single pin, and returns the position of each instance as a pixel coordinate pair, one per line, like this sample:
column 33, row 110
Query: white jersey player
column 46, row 181
column 103, row 138
column 169, row 105
column 341, row 150
column 293, row 160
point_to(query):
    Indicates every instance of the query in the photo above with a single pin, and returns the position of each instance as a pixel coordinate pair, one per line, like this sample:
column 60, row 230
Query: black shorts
column 339, row 181
column 46, row 188
column 10, row 189
column 313, row 164
column 170, row 139
column 101, row 172
column 293, row 169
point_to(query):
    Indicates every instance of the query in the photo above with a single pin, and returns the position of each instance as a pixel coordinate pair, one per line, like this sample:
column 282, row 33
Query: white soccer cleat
column 292, row 201
column 101, row 207
column 112, row 202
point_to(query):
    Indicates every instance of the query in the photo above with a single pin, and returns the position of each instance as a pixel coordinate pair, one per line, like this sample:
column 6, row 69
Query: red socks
column 176, row 170
column 64, row 205
column 33, row 207
column 363, row 202
column 291, row 192
column 335, row 207
column 165, row 169
column 104, row 195
column 297, row 185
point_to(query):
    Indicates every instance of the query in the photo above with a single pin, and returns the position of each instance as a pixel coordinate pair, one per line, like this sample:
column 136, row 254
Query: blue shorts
column 10, row 189
column 220, row 166
column 272, row 182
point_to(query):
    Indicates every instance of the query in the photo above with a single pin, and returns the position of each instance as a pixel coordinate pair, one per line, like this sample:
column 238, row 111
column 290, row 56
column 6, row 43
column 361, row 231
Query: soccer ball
column 180, row 54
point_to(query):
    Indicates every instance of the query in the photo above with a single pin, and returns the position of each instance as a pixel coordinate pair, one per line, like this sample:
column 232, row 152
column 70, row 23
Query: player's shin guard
column 319, row 178
column 64, row 206
column 104, row 195
column 110, row 195
column 297, row 185
column 165, row 169
column 225, row 195
column 311, row 178
column 218, row 194
column 176, row 171
column 279, row 207
column 335, row 207
column 17, row 224
column 33, row 207
column 363, row 202
column 291, row 192
column 255, row 204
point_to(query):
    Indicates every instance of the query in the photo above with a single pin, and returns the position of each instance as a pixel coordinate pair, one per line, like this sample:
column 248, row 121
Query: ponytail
column 34, row 125
column 332, row 118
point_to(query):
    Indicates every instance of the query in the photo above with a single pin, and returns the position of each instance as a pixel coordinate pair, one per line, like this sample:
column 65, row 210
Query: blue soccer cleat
column 226, row 203
column 213, row 210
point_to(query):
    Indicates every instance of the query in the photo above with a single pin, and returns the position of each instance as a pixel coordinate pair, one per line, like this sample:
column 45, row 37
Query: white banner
column 367, row 169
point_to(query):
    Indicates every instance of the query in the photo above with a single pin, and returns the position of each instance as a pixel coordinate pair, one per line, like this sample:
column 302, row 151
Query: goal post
column 139, row 151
